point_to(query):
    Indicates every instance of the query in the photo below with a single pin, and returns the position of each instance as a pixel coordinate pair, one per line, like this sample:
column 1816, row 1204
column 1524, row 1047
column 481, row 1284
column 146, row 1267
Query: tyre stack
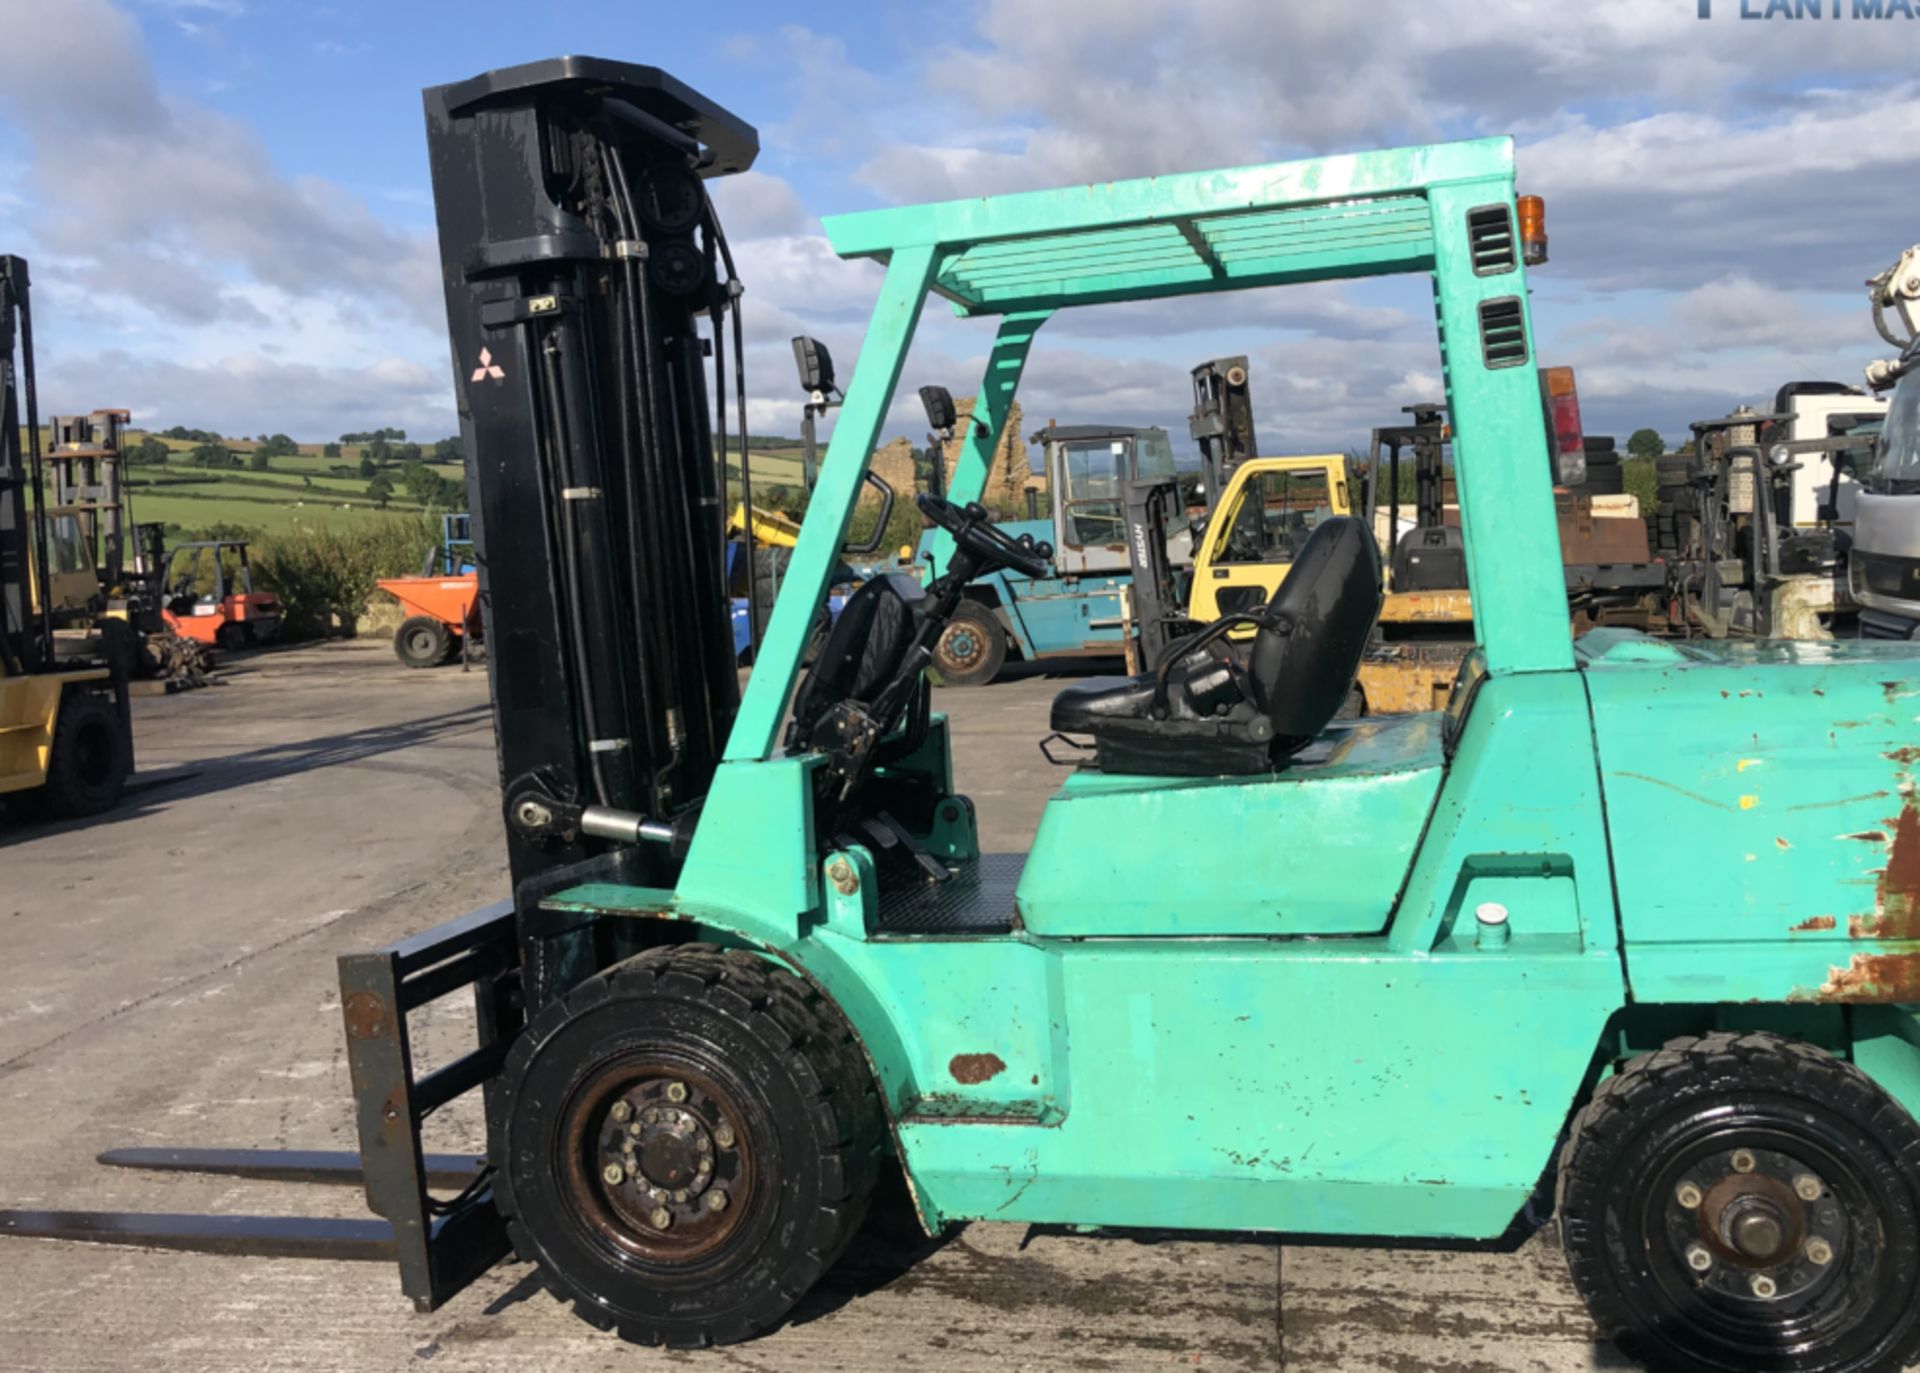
column 1678, row 507
column 1604, row 476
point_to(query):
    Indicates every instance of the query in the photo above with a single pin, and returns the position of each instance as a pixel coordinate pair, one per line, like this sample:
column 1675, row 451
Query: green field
column 297, row 491
column 300, row 491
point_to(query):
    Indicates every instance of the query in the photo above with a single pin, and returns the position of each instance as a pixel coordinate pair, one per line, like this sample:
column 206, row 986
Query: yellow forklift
column 66, row 733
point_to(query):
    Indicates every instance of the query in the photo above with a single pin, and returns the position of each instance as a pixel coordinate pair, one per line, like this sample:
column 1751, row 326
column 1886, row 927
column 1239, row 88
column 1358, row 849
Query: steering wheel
column 971, row 527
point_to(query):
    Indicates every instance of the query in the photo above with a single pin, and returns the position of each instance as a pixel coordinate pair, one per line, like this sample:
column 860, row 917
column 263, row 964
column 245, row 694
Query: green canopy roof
column 1320, row 219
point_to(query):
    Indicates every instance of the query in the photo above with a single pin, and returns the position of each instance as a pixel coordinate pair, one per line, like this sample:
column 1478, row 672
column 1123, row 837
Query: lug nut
column 716, row 1201
column 723, row 1136
column 676, row 1091
column 662, row 1218
column 680, row 1194
column 1819, row 1251
column 1687, row 1195
column 634, row 1129
column 703, row 1144
column 1808, row 1187
column 623, row 1111
column 1764, row 1287
column 614, row 1174
column 1698, row 1259
column 1743, row 1161
column 706, row 1166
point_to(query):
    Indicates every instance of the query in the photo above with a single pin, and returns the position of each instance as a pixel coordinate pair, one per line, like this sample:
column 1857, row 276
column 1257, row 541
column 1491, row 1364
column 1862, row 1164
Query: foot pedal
column 890, row 837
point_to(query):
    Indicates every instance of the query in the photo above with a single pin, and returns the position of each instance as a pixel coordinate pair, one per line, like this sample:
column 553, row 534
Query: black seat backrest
column 1432, row 559
column 864, row 652
column 1331, row 596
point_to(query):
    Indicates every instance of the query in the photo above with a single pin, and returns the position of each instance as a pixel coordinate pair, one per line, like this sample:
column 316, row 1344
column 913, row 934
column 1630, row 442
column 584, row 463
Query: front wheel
column 972, row 647
column 1744, row 1202
column 88, row 762
column 422, row 641
column 685, row 1144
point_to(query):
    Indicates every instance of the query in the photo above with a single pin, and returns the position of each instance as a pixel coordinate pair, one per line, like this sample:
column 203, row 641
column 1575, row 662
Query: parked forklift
column 210, row 597
column 66, row 725
column 1412, row 977
column 1884, row 556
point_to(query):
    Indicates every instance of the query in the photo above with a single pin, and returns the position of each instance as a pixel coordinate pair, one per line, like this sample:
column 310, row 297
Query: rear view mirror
column 939, row 403
column 815, row 365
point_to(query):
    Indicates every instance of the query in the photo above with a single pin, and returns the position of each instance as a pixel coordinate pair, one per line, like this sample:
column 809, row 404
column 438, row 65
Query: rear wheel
column 972, row 648
column 232, row 636
column 88, row 764
column 422, row 641
column 1743, row 1202
column 685, row 1144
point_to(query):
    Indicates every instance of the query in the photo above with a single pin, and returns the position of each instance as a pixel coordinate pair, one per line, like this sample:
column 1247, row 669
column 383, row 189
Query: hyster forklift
column 66, row 732
column 1260, row 971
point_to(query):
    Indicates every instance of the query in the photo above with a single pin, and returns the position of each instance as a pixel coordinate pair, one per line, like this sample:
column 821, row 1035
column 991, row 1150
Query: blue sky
column 226, row 203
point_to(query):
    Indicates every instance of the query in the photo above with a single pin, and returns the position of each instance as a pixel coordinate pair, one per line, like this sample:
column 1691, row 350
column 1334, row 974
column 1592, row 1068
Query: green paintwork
column 1005, row 366
column 1266, row 1003
column 1781, row 775
column 1322, row 847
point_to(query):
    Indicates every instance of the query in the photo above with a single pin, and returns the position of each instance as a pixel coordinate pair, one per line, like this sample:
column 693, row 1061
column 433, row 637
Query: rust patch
column 1907, row 756
column 1898, row 909
column 972, row 1069
column 1812, row 922
column 366, row 1016
column 1879, row 977
column 1868, row 836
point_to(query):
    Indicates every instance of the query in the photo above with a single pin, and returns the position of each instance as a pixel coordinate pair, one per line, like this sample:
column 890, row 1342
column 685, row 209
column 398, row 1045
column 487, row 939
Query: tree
column 449, row 450
column 259, row 460
column 150, row 451
column 378, row 450
column 213, row 455
column 367, row 465
column 1645, row 443
column 332, row 450
column 380, row 490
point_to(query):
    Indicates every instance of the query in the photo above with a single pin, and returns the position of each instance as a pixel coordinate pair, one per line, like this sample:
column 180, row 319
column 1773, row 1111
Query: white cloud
column 248, row 393
column 170, row 188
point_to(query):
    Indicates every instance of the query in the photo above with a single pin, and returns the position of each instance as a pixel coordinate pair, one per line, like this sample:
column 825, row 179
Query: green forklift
column 1430, row 977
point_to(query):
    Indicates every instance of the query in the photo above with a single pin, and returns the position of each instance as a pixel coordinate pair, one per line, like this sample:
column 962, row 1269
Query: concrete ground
column 169, row 980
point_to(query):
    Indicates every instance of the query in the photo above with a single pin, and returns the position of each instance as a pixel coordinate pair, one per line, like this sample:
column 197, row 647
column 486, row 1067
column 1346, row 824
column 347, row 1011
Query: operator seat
column 863, row 652
column 1207, row 712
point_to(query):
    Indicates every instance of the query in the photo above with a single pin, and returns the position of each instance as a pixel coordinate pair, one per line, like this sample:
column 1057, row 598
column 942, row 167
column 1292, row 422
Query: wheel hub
column 1754, row 1224
column 663, row 1169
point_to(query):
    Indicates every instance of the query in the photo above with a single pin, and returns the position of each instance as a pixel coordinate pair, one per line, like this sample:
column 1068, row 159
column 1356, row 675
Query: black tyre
column 231, row 636
column 972, row 649
column 422, row 641
column 1606, row 481
column 1672, row 470
column 88, row 764
column 1744, row 1202
column 685, row 1144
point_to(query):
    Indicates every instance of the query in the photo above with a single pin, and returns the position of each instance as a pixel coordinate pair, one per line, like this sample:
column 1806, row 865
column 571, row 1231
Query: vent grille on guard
column 1503, row 332
column 1490, row 240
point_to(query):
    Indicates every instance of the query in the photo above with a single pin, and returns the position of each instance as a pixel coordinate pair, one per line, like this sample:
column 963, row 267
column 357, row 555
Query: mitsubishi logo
column 488, row 368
